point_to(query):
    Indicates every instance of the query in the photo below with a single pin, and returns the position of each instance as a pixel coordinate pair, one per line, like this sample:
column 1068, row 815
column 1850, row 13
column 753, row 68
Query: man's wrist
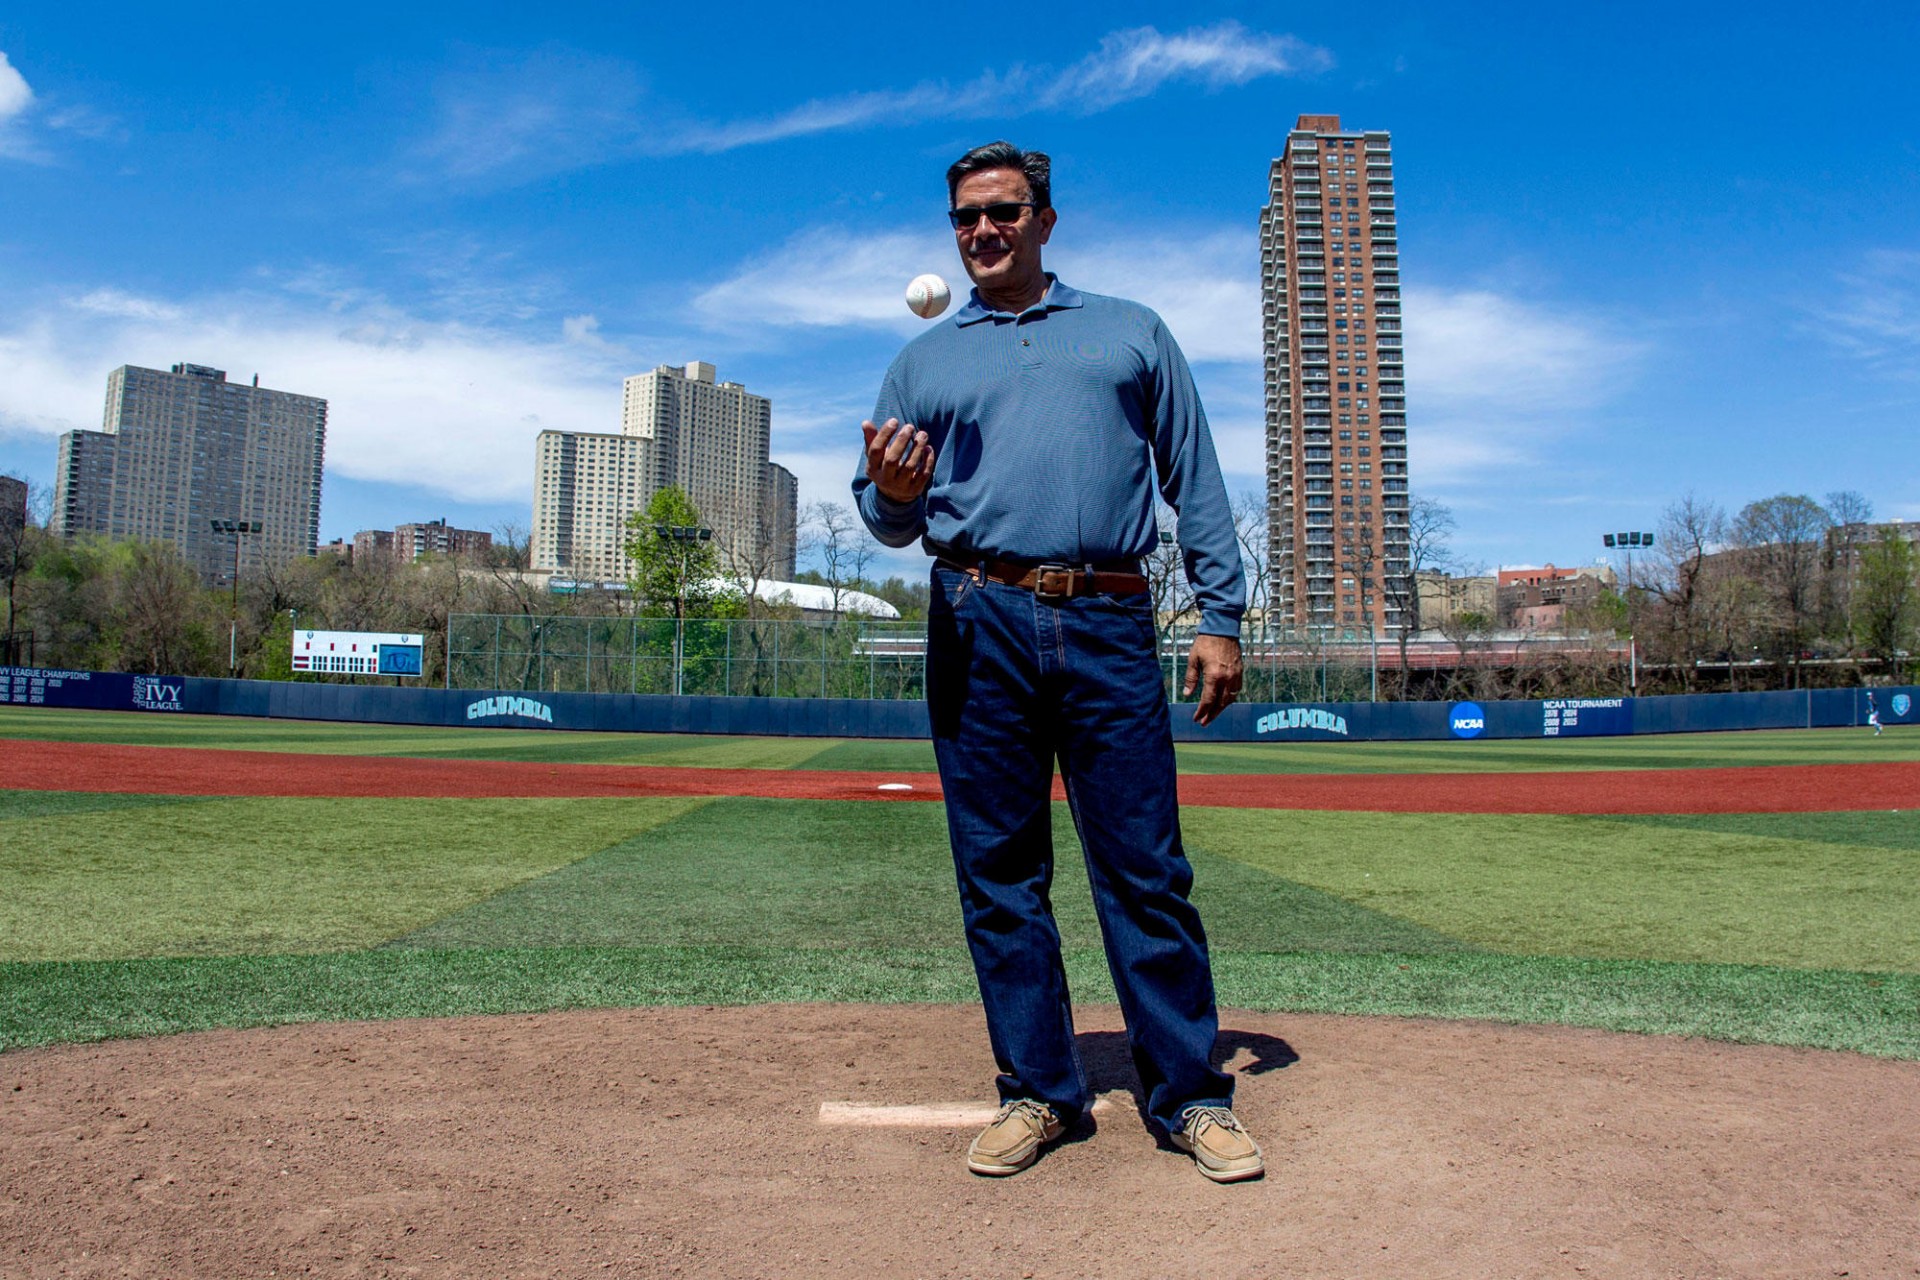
column 1224, row 626
column 899, row 506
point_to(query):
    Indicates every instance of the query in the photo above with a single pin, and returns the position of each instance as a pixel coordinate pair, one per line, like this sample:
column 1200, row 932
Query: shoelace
column 1221, row 1116
column 1033, row 1113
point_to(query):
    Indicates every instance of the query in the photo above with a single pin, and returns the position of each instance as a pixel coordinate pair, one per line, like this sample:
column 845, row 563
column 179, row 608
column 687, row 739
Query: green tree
column 1886, row 599
column 673, row 572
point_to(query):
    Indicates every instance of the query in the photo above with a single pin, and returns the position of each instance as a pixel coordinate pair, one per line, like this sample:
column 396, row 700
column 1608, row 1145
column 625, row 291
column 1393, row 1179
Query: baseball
column 927, row 296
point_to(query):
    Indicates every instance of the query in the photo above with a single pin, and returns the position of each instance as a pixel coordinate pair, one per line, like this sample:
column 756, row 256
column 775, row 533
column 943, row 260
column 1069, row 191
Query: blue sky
column 1647, row 249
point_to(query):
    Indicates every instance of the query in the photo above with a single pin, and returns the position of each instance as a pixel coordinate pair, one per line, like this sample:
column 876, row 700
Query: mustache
column 987, row 245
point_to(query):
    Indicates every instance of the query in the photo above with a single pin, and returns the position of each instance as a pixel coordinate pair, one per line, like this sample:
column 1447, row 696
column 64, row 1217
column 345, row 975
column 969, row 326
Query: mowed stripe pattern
column 103, row 767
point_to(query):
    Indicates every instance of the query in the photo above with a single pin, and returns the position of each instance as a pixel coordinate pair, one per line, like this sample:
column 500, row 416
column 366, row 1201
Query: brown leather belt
column 1054, row 581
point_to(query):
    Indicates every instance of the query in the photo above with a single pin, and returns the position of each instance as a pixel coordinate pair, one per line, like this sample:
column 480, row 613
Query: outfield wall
column 880, row 718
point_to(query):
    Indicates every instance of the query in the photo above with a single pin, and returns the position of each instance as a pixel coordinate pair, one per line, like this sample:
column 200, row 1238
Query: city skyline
column 1637, row 266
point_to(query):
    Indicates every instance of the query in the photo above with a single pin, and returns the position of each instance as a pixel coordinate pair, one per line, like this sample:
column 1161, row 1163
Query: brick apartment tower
column 1337, row 501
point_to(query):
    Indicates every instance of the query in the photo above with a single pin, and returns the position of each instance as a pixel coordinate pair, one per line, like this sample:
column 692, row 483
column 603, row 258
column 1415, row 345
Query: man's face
column 1002, row 258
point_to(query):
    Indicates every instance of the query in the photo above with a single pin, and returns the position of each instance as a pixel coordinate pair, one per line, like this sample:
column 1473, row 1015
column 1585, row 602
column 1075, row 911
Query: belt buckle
column 1053, row 581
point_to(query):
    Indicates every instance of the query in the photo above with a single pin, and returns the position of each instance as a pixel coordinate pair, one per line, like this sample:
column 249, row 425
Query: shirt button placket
column 1029, row 351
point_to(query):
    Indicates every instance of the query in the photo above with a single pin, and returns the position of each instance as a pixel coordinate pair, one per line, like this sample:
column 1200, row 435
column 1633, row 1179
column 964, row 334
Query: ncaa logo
column 1902, row 704
column 1467, row 720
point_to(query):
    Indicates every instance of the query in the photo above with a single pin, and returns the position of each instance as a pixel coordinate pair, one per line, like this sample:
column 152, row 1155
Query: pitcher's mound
column 662, row 1142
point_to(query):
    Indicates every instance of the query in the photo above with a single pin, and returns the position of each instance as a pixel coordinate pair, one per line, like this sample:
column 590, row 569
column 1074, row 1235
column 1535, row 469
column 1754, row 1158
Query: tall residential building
column 1337, row 500
column 781, row 508
column 179, row 450
column 679, row 427
column 13, row 503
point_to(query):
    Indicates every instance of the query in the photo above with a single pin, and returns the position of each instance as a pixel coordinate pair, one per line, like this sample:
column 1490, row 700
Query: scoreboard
column 358, row 653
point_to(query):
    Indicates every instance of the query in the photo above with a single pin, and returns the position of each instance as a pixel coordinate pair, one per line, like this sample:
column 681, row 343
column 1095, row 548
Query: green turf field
column 126, row 915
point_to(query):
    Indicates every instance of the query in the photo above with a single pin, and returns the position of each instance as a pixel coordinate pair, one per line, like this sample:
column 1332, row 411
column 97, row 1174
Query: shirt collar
column 1057, row 297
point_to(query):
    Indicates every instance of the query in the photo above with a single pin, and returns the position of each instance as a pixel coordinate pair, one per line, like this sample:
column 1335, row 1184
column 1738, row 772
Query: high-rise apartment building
column 679, row 427
column 13, row 503
column 1337, row 499
column 781, row 505
column 179, row 450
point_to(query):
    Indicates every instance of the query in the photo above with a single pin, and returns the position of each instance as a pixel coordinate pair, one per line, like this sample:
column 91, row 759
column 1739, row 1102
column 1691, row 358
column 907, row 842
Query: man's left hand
column 1213, row 667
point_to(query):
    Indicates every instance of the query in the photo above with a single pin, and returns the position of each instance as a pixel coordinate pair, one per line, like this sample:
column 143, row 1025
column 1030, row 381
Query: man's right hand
column 899, row 459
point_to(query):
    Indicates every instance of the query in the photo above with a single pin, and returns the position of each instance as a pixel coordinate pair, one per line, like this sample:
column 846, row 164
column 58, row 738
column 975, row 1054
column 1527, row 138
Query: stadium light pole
column 235, row 529
column 685, row 537
column 1628, row 543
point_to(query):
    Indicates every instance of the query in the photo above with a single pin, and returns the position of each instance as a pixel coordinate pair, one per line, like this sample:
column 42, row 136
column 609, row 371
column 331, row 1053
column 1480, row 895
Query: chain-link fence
column 766, row 658
column 825, row 658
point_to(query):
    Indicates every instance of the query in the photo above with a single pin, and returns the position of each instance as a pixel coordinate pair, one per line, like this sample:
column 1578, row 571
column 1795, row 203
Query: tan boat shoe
column 1013, row 1140
column 1221, row 1147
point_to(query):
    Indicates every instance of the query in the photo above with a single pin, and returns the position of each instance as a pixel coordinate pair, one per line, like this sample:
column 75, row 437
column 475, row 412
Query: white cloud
column 584, row 331
column 1880, row 319
column 1495, row 383
column 16, row 98
column 123, row 306
column 552, row 111
column 1133, row 64
column 450, row 407
column 824, row 277
column 1206, row 286
column 15, row 95
column 25, row 114
column 557, row 110
column 1478, row 348
column 1127, row 66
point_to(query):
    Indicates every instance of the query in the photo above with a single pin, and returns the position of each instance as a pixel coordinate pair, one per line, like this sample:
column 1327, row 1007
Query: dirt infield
column 198, row 772
column 664, row 1142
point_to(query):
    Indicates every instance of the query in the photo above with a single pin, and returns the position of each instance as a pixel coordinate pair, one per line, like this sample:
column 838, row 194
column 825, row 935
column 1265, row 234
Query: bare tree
column 1691, row 530
column 1851, row 532
column 1167, row 584
column 1256, row 551
column 759, row 553
column 1429, row 526
column 1469, row 631
column 1738, row 613
column 843, row 547
column 511, row 585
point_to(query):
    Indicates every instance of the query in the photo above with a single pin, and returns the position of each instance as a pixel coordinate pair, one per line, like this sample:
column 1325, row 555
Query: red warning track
column 63, row 766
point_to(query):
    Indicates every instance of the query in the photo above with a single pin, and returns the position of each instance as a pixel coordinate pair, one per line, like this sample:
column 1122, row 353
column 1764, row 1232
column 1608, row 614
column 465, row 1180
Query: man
column 1020, row 440
column 1873, row 713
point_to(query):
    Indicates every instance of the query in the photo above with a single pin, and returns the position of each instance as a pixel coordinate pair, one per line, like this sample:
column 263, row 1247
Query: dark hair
column 1035, row 166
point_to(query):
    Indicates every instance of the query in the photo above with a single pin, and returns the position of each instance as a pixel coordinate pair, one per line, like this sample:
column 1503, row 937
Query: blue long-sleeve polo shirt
column 1048, row 429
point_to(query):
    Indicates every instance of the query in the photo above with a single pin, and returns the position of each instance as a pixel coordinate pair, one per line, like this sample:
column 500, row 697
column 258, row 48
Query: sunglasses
column 1007, row 211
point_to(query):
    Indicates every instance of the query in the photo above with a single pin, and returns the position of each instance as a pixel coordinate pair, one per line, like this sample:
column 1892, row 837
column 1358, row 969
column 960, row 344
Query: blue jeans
column 1014, row 682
